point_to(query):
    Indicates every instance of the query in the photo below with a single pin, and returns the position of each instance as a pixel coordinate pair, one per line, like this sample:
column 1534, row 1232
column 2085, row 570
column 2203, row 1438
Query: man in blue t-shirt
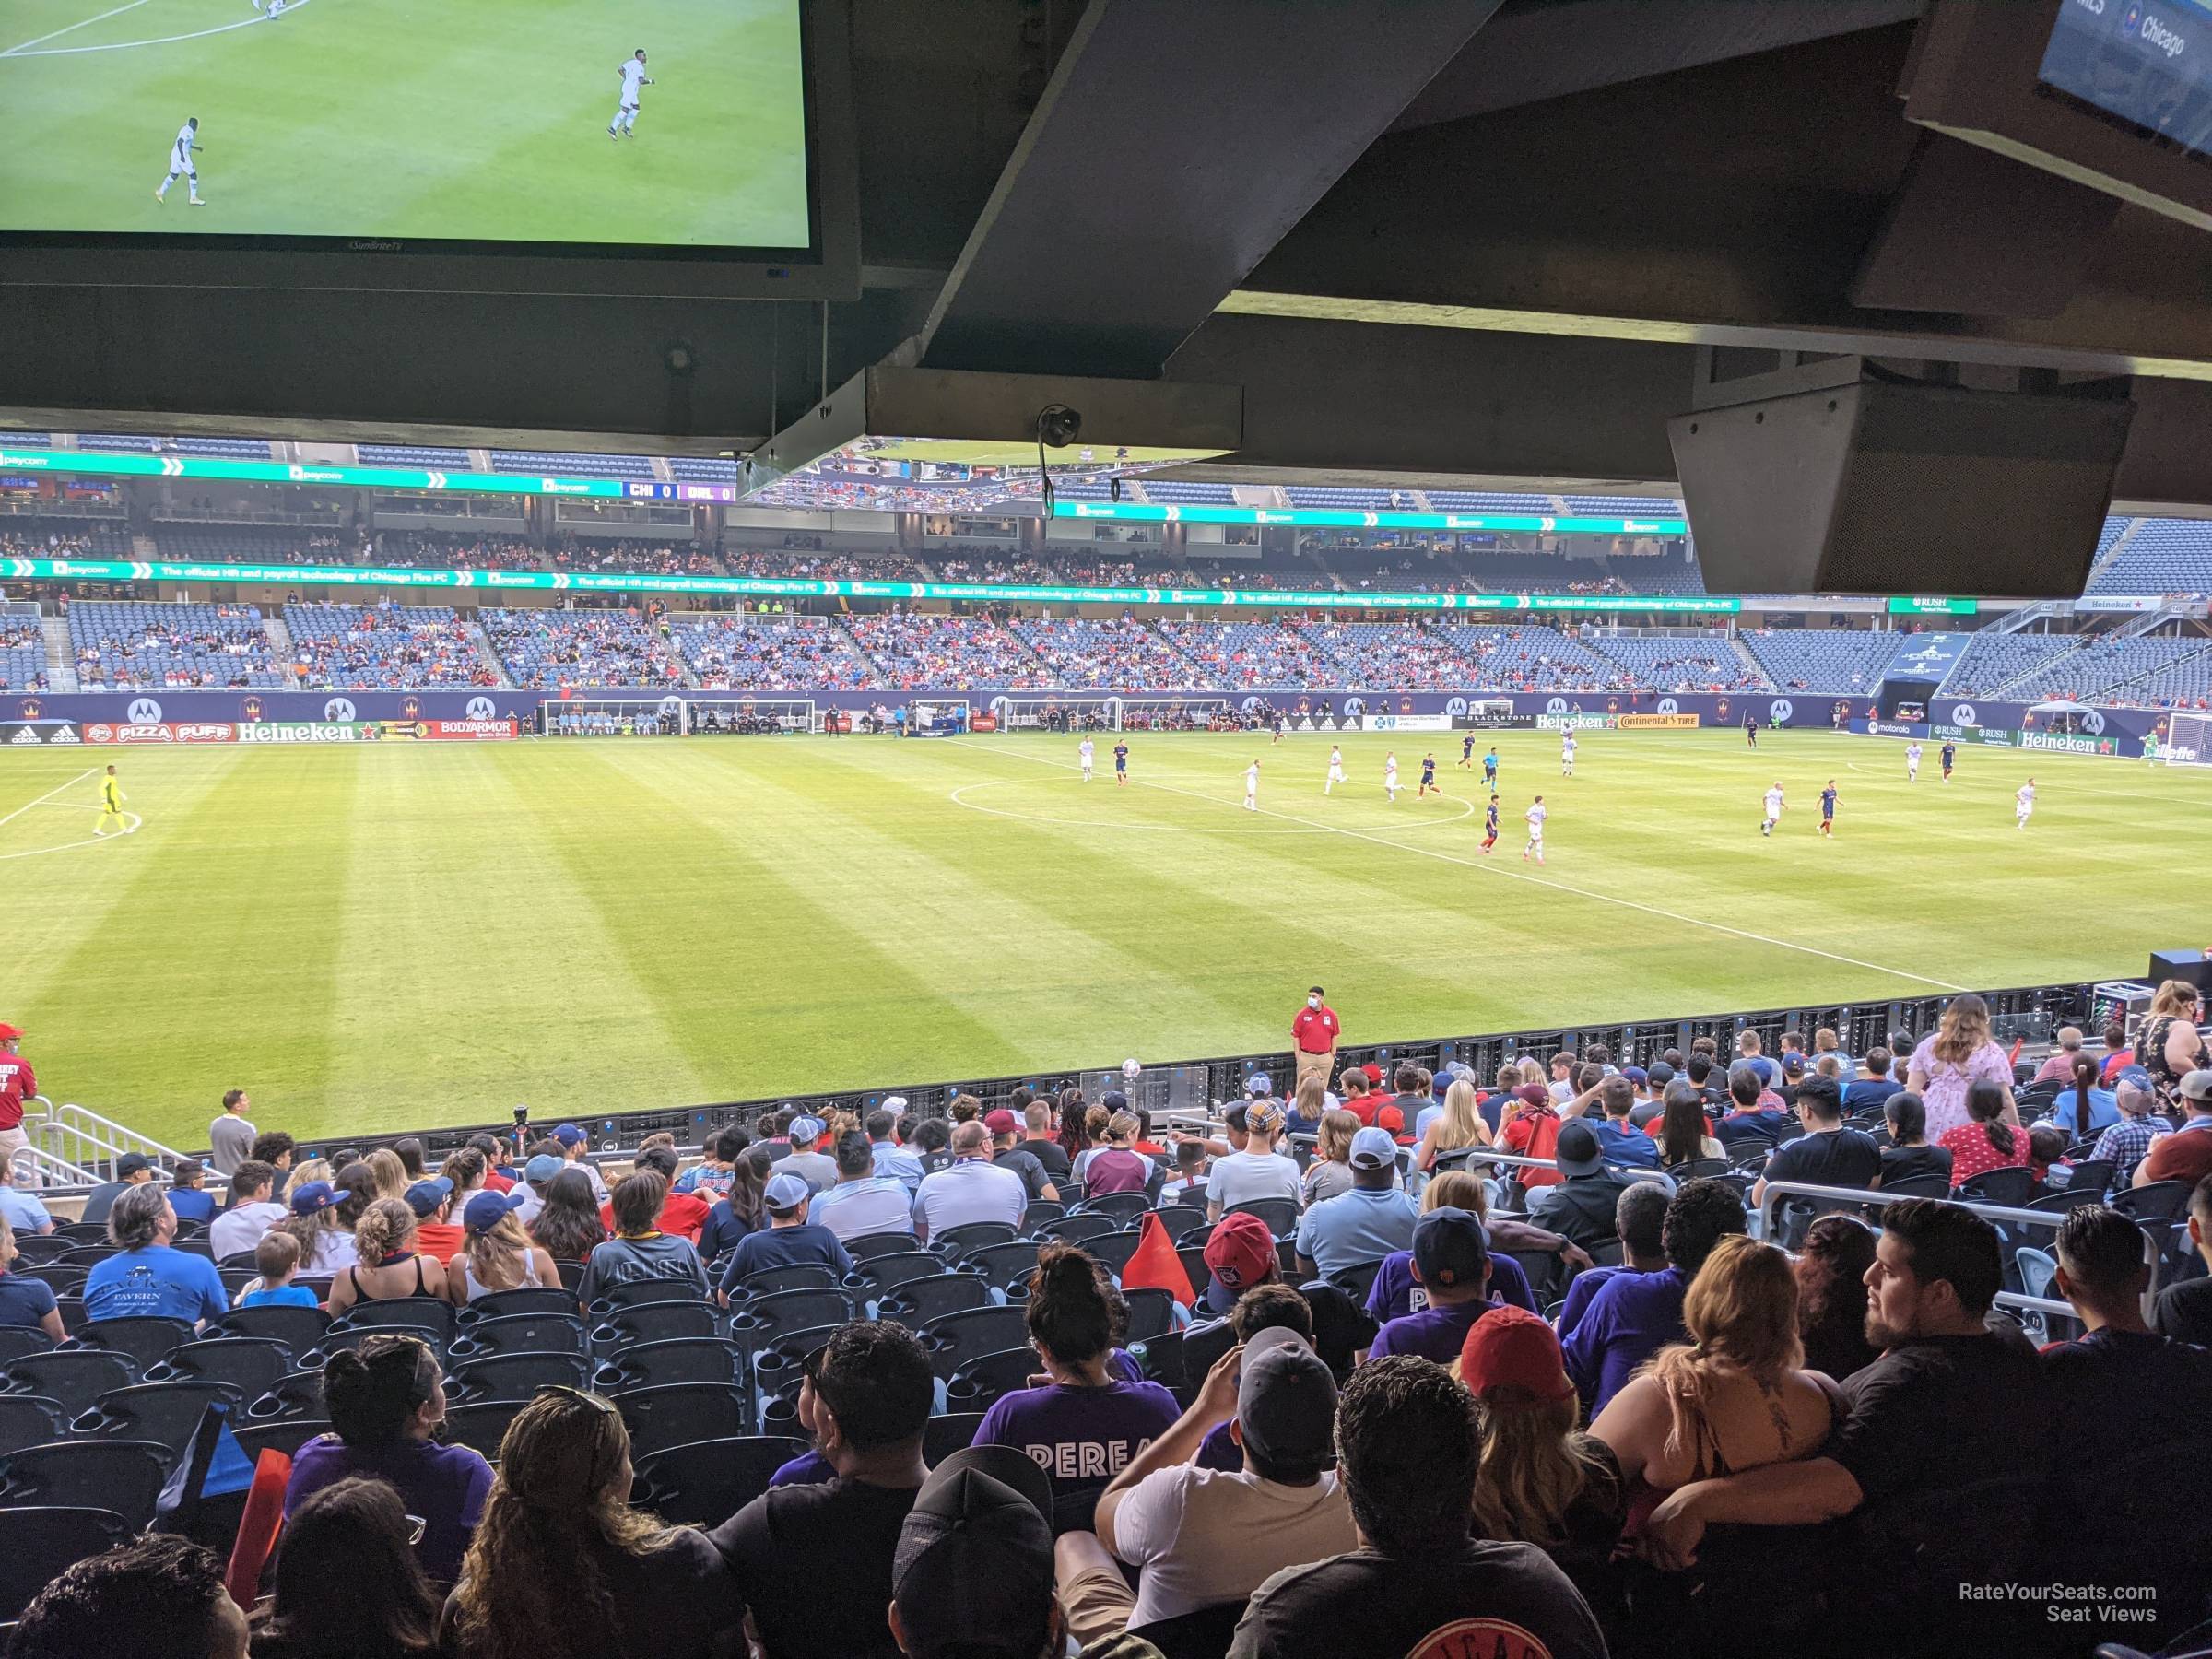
column 146, row 1279
column 1871, row 1093
column 1365, row 1224
column 790, row 1241
column 1619, row 1141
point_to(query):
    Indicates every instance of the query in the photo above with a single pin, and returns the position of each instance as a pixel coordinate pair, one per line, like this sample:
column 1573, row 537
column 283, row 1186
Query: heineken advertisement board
column 200, row 572
column 1353, row 518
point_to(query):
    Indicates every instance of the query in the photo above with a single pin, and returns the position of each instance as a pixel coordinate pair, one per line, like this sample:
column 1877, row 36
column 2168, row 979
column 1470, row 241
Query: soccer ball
column 1130, row 1069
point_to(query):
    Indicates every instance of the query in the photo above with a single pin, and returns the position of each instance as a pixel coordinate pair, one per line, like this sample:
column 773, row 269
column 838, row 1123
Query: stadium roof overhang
column 1476, row 241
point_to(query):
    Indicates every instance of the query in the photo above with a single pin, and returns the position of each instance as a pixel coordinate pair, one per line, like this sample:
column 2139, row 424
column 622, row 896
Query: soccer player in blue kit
column 1490, row 826
column 1828, row 809
column 1950, row 754
column 1121, row 763
column 1429, row 781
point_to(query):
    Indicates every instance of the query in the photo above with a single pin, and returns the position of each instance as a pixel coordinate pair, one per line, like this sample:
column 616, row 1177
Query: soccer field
column 408, row 934
column 407, row 119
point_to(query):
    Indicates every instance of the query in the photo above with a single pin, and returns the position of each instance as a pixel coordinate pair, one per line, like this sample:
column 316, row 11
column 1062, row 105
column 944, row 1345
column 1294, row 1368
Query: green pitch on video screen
column 681, row 123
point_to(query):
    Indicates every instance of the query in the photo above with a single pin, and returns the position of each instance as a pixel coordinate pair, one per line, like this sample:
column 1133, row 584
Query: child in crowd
column 276, row 1259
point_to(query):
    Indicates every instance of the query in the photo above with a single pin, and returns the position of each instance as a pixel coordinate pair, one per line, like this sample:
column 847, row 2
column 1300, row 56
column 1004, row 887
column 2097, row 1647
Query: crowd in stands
column 1250, row 656
column 1096, row 655
column 548, row 648
column 1416, row 1364
column 22, row 652
column 911, row 650
column 797, row 654
column 406, row 646
column 125, row 646
column 811, row 566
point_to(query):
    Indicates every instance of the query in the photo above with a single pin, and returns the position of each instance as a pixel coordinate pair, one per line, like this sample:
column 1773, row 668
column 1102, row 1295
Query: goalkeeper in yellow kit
column 111, row 804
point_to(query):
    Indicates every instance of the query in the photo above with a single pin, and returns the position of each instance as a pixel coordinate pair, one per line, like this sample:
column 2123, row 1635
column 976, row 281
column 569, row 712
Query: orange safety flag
column 257, row 1530
column 1154, row 1266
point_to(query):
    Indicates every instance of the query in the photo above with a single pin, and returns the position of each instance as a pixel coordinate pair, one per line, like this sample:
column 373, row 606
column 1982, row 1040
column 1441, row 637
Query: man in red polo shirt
column 1314, row 1034
column 18, row 1084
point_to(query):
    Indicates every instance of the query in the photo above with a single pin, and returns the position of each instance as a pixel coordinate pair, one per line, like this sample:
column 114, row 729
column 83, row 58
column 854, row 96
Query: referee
column 1314, row 1034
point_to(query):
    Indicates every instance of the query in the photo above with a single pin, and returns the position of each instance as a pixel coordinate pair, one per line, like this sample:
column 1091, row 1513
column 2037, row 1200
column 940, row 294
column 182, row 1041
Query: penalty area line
column 27, row 48
column 1534, row 880
column 73, row 28
column 49, row 795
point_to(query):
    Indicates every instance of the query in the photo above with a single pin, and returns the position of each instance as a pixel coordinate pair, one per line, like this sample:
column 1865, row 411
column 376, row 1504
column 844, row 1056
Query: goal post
column 672, row 716
column 2188, row 740
column 1112, row 713
column 936, row 717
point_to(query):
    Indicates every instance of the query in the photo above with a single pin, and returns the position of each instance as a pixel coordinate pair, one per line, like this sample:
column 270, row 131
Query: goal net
column 2188, row 740
column 1112, row 713
column 672, row 716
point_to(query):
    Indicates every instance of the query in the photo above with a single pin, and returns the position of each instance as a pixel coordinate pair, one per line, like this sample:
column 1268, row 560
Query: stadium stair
column 488, row 654
column 281, row 647
column 1752, row 665
column 61, row 665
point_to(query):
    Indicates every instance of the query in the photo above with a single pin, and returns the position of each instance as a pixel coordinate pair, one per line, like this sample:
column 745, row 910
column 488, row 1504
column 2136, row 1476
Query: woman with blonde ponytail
column 388, row 1265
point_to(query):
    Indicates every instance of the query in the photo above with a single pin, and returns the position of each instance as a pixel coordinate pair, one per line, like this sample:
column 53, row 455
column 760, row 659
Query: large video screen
column 2147, row 66
column 661, row 124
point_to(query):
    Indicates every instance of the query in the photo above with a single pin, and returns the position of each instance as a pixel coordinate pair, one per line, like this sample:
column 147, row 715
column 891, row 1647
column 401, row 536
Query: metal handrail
column 34, row 1167
column 70, row 1131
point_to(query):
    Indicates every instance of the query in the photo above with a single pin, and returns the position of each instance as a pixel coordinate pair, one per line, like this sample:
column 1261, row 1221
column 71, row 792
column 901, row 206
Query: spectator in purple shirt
column 1083, row 1426
column 1635, row 1315
column 1452, row 1265
column 1641, row 1219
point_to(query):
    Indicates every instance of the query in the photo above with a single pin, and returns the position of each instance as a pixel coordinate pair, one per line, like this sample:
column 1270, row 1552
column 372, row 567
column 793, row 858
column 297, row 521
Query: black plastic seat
column 764, row 1318
column 1151, row 1312
column 82, row 1232
column 76, row 1377
column 677, row 1414
column 482, row 1426
column 514, row 1376
column 778, row 1367
column 39, row 1543
column 16, row 1341
column 399, row 1313
column 658, row 1364
column 547, row 1333
column 293, row 1396
column 123, row 1476
column 57, row 1276
column 341, row 1335
column 1039, row 1211
column 1357, row 1280
column 805, row 1275
column 1280, row 1214
column 282, row 1434
column 142, row 1340
column 661, row 1321
column 640, row 1293
column 168, row 1414
column 955, row 1339
column 956, row 1241
column 249, row 1364
column 1160, row 1358
column 506, row 1304
column 947, row 1432
column 916, row 1303
column 28, row 1420
column 983, row 1379
column 238, row 1258
column 878, row 1274
column 1002, row 1266
column 2058, row 1203
column 87, row 1255
column 1182, row 1219
column 571, row 1273
column 2009, row 1187
column 1079, row 1228
column 1113, row 1249
column 2160, row 1201
column 703, row 1483
column 869, row 1245
column 33, row 1248
column 1124, row 1207
column 1193, row 1263
column 1917, row 1186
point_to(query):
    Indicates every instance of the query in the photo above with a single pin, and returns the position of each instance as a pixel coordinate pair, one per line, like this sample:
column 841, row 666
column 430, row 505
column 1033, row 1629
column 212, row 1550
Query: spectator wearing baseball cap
column 1116, row 1167
column 790, row 1237
column 1452, row 1265
column 1581, row 1204
column 2186, row 1154
column 1542, row 1479
column 133, row 1168
column 972, row 1575
column 2141, row 1123
column 808, row 1160
column 1202, row 1536
column 497, row 1255
column 640, row 1250
column 865, row 1399
column 1407, row 1456
column 574, row 1143
column 538, row 1172
column 1257, row 1169
column 1242, row 1256
column 1005, row 1129
column 971, row 1188
column 436, row 1234
column 1365, row 1224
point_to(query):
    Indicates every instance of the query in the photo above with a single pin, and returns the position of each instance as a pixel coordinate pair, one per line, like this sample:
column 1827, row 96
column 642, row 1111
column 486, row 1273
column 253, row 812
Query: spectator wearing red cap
column 1241, row 1258
column 19, row 1083
column 1005, row 1129
column 1315, row 1033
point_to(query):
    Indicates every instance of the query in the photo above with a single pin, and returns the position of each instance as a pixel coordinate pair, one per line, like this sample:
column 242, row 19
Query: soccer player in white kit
column 1912, row 764
column 624, row 123
column 1773, row 808
column 180, row 161
column 1083, row 751
column 1566, row 754
column 1390, row 776
column 1536, row 815
column 1251, row 787
column 1335, row 768
column 2023, row 802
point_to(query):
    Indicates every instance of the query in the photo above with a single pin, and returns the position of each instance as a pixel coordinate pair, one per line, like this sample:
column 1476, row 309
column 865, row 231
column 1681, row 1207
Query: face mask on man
column 1312, row 1002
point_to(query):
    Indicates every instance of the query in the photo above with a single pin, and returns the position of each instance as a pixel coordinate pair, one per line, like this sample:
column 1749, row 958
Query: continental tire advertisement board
column 40, row 734
column 1655, row 723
